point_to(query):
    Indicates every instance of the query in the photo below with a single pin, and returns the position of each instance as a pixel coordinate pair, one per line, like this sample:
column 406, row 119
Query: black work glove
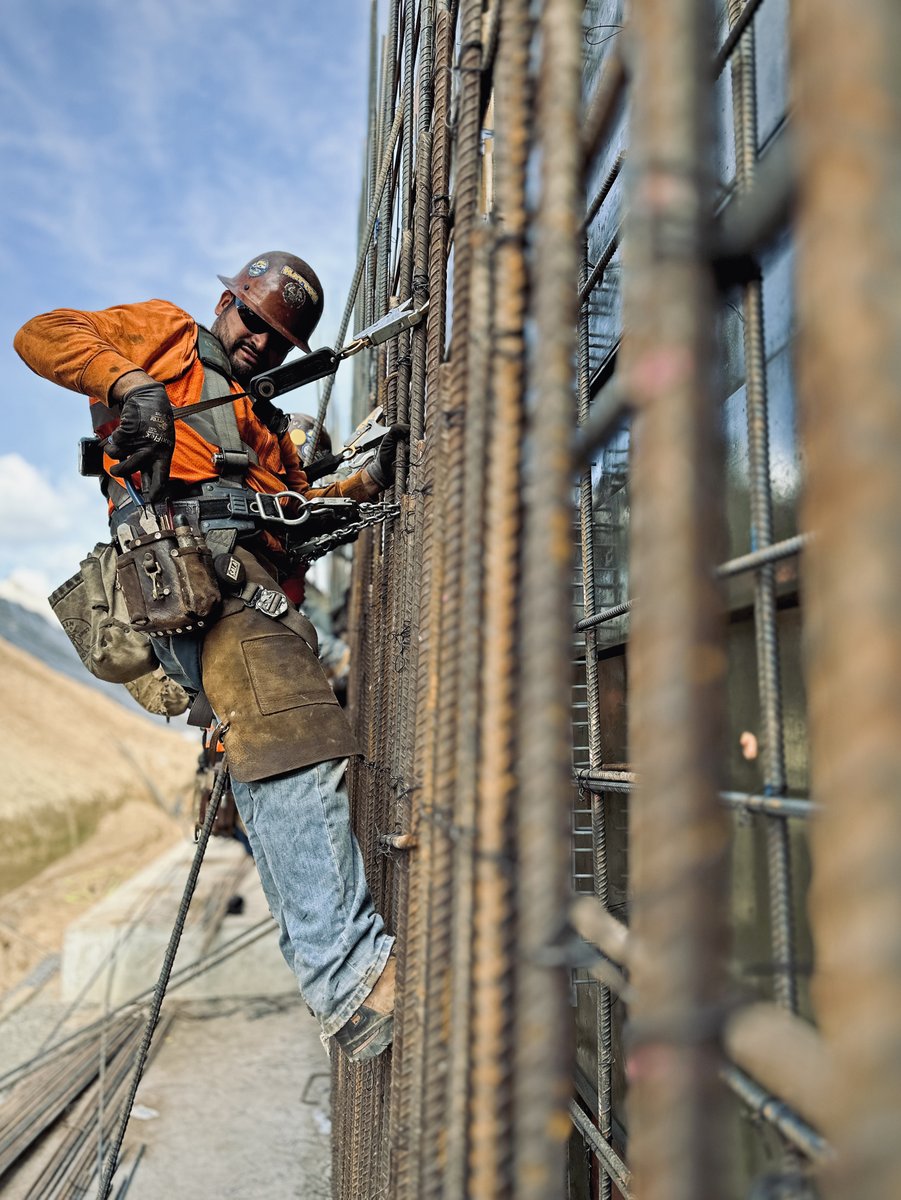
column 382, row 466
column 145, row 438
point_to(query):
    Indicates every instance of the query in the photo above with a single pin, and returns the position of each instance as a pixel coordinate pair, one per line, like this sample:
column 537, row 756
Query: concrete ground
column 235, row 1103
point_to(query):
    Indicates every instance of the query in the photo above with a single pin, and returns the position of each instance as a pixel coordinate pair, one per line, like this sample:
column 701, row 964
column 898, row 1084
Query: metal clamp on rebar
column 394, row 322
column 267, row 506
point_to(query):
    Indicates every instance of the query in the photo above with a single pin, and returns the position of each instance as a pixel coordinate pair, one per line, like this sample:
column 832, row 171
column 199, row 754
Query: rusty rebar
column 542, row 1057
column 744, row 95
column 677, row 854
column 421, row 219
column 491, row 1105
column 389, row 67
column 418, row 1058
column 847, row 109
column 439, row 1019
column 468, row 709
column 412, row 646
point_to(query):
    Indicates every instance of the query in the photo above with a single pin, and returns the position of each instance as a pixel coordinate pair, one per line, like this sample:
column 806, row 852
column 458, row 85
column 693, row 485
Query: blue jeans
column 311, row 869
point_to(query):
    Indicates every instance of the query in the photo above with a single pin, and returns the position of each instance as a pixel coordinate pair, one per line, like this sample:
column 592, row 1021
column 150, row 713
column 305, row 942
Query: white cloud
column 46, row 527
column 149, row 146
column 30, row 589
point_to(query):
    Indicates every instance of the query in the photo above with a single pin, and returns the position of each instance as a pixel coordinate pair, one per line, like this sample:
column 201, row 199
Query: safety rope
column 166, row 970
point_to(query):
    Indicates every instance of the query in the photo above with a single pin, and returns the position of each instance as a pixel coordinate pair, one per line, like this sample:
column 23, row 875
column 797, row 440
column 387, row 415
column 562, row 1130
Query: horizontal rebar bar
column 762, row 558
column 600, row 266
column 596, row 786
column 606, row 614
column 629, row 777
column 609, row 1160
column 734, row 566
column 727, row 49
column 752, row 218
column 604, row 190
column 776, row 806
column 608, row 410
column 778, row 1114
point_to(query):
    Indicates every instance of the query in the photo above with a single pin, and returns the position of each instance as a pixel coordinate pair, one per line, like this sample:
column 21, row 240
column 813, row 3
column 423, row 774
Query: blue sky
column 145, row 147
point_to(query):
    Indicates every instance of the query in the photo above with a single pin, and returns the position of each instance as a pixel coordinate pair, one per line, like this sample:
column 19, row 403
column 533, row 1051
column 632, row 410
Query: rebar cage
column 605, row 649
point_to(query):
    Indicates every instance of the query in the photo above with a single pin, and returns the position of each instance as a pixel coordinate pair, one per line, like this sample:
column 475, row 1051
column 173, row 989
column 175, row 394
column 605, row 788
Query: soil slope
column 71, row 758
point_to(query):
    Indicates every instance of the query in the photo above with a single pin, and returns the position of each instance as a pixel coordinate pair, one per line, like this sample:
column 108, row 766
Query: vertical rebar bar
column 744, row 96
column 421, row 219
column 450, row 483
column 491, row 1104
column 401, row 657
column 383, row 285
column 595, row 751
column 417, row 952
column 467, row 714
column 542, row 1056
column 847, row 112
column 405, row 285
column 677, row 854
column 372, row 155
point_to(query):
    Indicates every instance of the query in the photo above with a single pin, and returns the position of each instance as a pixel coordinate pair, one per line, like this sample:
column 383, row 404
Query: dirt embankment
column 79, row 774
column 34, row 916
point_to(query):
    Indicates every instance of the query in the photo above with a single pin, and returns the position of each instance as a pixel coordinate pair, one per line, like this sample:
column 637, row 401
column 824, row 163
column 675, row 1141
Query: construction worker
column 287, row 738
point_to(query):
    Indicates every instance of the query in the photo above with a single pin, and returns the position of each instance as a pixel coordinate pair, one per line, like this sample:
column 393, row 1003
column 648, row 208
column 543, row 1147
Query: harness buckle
column 238, row 505
column 266, row 506
column 270, row 603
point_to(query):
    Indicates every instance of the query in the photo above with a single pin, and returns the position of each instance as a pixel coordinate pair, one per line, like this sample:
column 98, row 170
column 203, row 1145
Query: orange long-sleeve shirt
column 88, row 351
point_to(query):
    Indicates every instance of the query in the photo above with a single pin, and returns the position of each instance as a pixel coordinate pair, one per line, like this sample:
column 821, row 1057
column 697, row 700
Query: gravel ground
column 234, row 1105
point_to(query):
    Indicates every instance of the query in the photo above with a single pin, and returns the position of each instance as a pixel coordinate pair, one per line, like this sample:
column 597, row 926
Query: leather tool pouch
column 168, row 582
column 91, row 609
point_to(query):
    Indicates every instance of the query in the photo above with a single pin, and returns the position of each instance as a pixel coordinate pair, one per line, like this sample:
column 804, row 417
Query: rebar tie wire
column 163, row 981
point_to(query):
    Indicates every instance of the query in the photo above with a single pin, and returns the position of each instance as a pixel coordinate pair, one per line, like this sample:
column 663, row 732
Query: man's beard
column 241, row 371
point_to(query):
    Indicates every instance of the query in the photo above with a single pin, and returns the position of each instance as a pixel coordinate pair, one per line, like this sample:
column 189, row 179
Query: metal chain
column 371, row 514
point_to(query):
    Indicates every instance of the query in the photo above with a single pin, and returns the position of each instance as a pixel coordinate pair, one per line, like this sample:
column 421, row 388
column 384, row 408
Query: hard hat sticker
column 294, row 294
column 259, row 267
column 298, row 278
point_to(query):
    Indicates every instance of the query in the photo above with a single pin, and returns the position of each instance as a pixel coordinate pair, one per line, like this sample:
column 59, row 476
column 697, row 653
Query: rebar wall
column 615, row 270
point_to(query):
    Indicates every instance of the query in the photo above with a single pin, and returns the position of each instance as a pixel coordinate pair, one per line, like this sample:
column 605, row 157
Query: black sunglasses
column 256, row 324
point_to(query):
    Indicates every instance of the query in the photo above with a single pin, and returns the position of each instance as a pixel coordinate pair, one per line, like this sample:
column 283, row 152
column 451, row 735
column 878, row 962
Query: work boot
column 369, row 1031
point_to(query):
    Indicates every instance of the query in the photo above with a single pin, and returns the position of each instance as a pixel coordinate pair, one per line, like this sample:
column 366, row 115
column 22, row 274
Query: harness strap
column 219, row 425
column 273, row 603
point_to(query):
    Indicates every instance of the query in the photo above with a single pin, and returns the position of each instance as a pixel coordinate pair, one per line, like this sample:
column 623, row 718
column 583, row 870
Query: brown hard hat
column 284, row 291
